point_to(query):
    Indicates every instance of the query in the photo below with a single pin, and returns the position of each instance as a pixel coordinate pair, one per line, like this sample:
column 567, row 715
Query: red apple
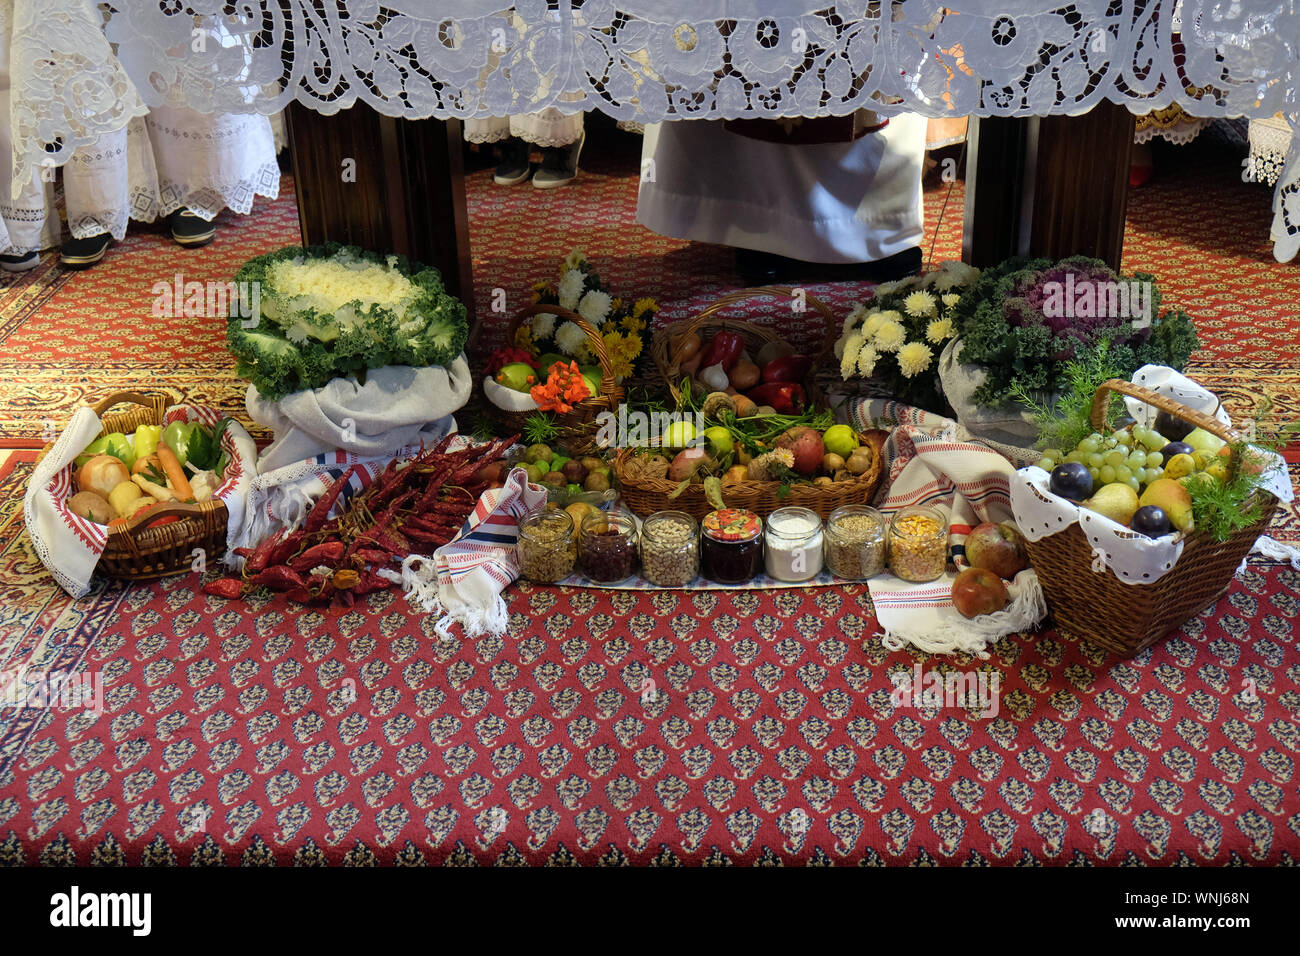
column 978, row 591
column 998, row 547
column 806, row 446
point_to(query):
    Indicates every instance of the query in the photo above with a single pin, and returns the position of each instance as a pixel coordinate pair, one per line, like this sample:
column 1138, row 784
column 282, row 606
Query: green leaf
column 679, row 489
column 783, row 492
column 713, row 492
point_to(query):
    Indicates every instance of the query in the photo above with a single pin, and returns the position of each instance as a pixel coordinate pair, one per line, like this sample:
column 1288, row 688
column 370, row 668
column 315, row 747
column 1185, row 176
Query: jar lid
column 732, row 524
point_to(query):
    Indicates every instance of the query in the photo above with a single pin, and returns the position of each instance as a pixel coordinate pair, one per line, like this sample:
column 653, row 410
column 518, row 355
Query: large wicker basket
column 577, row 427
column 646, row 495
column 709, row 321
column 137, row 550
column 1126, row 618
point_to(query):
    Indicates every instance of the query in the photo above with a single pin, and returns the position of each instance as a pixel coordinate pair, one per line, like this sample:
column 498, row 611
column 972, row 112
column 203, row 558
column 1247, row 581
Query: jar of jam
column 607, row 546
column 855, row 542
column 670, row 549
column 918, row 543
column 546, row 547
column 792, row 544
column 731, row 546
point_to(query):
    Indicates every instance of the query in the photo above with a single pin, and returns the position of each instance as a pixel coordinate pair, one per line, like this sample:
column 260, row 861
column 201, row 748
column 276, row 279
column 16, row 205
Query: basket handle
column 205, row 511
column 607, row 384
column 1101, row 404
column 769, row 291
column 158, row 402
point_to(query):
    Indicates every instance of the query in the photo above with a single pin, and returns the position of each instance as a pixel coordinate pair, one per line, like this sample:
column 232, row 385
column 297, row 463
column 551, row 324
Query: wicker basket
column 577, row 427
column 1126, row 618
column 756, row 336
column 135, row 551
column 645, row 496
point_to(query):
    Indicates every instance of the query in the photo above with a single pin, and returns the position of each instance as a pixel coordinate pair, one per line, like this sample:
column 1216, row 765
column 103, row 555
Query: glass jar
column 792, row 544
column 546, row 547
column 731, row 546
column 607, row 546
column 918, row 543
column 855, row 542
column 670, row 549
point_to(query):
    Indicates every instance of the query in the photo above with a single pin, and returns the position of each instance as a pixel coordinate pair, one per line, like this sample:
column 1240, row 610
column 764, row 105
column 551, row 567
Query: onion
column 687, row 346
column 715, row 377
column 102, row 474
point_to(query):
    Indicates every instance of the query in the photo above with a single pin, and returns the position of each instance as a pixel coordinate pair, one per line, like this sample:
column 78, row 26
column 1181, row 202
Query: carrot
column 175, row 473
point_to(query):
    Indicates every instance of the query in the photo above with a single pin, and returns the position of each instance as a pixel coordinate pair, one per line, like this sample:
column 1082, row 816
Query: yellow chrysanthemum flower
column 890, row 337
column 644, row 305
column 914, row 358
column 849, row 355
column 939, row 330
column 949, row 299
column 920, row 304
column 867, row 359
column 872, row 325
column 523, row 337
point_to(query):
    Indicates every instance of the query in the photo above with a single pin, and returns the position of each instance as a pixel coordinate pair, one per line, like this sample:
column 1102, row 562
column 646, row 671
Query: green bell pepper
column 145, row 441
column 119, row 446
column 97, row 447
column 177, row 436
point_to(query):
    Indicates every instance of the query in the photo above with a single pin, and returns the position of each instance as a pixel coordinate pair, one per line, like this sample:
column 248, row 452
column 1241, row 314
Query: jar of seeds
column 546, row 547
column 670, row 555
column 918, row 543
column 607, row 546
column 855, row 542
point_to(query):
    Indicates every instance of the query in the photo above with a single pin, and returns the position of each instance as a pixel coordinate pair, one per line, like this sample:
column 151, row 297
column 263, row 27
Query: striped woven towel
column 966, row 480
column 465, row 578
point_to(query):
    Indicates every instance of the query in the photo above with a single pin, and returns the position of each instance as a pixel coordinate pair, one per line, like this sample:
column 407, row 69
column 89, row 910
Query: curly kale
column 1005, row 328
column 291, row 345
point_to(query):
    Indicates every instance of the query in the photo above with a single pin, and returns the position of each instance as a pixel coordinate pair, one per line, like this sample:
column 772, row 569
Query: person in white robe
column 848, row 202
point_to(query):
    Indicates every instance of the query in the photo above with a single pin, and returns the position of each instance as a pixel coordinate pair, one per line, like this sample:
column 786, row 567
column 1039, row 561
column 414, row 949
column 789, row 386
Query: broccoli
column 295, row 346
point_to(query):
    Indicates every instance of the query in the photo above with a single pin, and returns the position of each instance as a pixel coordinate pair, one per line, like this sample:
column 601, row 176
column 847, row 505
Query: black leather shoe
column 765, row 268
column 512, row 163
column 189, row 229
column 84, row 253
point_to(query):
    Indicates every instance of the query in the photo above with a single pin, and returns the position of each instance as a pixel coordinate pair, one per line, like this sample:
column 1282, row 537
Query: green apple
column 516, row 375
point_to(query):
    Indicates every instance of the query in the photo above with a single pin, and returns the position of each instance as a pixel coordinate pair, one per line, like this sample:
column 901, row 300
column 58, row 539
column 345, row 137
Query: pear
column 1201, row 440
column 1117, row 501
column 1170, row 496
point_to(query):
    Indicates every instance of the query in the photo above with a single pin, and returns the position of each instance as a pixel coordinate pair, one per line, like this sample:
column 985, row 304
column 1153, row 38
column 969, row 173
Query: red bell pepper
column 787, row 368
column 723, row 349
column 786, row 397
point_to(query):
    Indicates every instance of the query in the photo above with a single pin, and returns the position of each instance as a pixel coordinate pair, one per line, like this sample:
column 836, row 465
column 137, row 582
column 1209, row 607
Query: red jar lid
column 732, row 524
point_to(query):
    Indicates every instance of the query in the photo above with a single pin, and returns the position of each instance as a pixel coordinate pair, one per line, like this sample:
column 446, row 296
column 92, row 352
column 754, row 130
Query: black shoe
column 765, row 268
column 890, row 269
column 190, row 229
column 512, row 163
column 559, row 165
column 84, row 253
column 12, row 263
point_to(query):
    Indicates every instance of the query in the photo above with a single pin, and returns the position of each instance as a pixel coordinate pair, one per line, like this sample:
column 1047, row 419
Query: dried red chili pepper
column 224, row 587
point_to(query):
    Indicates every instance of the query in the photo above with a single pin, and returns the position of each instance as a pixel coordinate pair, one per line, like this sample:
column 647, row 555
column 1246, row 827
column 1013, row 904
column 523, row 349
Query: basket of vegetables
column 757, row 462
column 744, row 359
column 153, row 483
column 571, row 396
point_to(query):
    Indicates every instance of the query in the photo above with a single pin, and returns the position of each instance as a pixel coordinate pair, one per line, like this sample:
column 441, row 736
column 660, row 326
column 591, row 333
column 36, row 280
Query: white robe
column 857, row 201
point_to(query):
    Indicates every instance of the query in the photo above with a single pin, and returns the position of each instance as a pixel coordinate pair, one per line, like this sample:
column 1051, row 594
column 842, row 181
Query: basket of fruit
column 1133, row 521
column 570, row 395
column 133, row 479
column 758, row 463
column 752, row 361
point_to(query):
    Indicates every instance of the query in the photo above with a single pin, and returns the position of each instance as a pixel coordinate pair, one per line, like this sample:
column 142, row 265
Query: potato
column 122, row 498
column 91, row 506
column 832, row 462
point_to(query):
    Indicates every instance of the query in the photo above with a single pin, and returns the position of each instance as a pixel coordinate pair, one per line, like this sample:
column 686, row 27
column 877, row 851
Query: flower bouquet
column 896, row 336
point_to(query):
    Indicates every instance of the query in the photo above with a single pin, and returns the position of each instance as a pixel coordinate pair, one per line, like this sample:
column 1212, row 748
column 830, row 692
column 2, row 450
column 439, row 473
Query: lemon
column 840, row 440
column 678, row 435
column 1180, row 465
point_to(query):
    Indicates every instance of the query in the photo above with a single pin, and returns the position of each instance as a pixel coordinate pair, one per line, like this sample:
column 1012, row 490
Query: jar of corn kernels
column 918, row 543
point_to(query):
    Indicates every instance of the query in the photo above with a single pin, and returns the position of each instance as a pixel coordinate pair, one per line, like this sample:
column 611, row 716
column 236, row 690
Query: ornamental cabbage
column 330, row 311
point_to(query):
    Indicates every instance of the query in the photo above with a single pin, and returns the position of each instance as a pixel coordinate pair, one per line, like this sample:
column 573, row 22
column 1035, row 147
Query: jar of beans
column 670, row 549
column 855, row 542
column 607, row 546
column 918, row 543
column 546, row 547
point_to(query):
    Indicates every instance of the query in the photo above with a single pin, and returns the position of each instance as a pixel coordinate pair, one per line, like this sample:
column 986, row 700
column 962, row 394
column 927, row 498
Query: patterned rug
column 612, row 728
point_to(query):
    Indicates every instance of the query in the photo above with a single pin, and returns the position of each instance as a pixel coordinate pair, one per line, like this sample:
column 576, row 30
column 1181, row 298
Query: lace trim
column 208, row 200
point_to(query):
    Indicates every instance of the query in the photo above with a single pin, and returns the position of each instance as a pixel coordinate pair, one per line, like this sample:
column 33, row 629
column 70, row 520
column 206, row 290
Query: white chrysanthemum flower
column 571, row 287
column 914, row 358
column 574, row 259
column 849, row 354
column 594, row 306
column 938, row 330
column 949, row 299
column 884, row 289
column 890, row 337
column 920, row 304
column 543, row 326
column 569, row 338
column 872, row 325
column 867, row 359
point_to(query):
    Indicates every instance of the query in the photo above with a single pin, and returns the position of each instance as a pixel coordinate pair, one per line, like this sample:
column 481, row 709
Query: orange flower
column 564, row 388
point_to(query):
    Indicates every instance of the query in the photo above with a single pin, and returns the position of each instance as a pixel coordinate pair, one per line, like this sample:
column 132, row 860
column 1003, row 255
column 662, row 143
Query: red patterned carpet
column 232, row 738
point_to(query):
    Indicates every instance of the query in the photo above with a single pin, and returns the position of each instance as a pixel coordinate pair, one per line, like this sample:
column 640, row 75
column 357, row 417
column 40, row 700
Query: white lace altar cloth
column 650, row 60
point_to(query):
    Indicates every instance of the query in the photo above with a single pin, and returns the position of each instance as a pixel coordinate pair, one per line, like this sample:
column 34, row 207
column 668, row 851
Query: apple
column 978, row 591
column 998, row 547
